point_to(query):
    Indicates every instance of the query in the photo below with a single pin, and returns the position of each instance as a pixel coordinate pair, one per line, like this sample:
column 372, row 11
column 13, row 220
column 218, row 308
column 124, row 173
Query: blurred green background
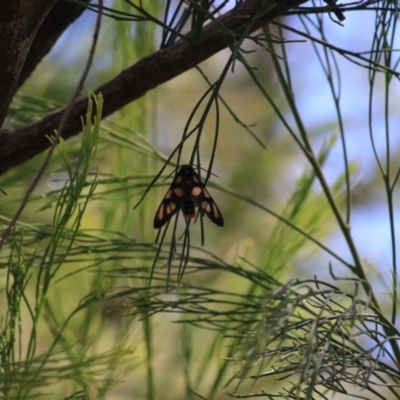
column 159, row 358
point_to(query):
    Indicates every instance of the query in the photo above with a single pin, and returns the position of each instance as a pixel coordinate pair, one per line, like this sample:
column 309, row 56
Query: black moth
column 186, row 192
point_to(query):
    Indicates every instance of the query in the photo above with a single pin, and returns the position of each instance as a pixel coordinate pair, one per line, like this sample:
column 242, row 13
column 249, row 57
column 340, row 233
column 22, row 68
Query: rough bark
column 62, row 15
column 19, row 23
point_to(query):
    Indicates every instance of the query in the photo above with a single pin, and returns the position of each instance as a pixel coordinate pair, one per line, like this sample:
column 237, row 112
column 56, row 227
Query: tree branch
column 57, row 21
column 17, row 146
column 20, row 20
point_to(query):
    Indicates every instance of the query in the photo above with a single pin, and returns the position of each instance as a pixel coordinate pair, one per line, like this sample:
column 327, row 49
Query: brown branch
column 20, row 20
column 28, row 31
column 56, row 22
column 22, row 144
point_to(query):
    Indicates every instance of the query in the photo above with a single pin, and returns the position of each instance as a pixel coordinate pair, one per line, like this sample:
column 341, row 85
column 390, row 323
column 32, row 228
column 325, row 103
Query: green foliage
column 93, row 301
column 34, row 264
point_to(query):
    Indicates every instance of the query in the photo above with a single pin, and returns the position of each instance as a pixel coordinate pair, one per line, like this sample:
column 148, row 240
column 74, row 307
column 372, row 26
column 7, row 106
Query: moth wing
column 168, row 207
column 208, row 206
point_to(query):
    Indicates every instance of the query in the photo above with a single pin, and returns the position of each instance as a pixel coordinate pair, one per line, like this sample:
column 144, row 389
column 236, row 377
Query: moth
column 186, row 192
